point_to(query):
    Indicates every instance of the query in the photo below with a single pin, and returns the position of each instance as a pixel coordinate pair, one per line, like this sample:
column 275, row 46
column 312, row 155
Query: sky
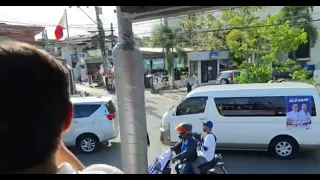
column 79, row 23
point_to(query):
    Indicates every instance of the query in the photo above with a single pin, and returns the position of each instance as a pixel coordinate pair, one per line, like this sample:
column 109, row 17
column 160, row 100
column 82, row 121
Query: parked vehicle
column 95, row 122
column 251, row 117
column 228, row 77
column 162, row 165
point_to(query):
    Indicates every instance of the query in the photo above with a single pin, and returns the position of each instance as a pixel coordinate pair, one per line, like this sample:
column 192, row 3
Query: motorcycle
column 162, row 165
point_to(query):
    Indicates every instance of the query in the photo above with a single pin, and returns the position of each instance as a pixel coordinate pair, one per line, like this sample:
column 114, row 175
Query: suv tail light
column 111, row 117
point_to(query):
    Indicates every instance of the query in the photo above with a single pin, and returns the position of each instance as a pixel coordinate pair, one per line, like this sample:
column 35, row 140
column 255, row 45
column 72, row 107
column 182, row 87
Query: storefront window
column 194, row 68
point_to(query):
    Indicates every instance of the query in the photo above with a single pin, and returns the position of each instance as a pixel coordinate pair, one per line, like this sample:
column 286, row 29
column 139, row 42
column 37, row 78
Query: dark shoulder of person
column 197, row 136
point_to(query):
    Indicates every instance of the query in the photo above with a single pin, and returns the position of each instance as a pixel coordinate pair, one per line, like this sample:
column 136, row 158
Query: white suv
column 95, row 121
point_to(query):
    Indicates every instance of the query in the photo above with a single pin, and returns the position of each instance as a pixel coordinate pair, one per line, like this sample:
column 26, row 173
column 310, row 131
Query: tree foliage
column 209, row 31
column 171, row 41
column 273, row 38
column 299, row 17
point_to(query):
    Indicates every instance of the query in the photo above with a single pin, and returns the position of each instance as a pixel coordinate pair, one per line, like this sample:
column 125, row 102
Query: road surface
column 236, row 162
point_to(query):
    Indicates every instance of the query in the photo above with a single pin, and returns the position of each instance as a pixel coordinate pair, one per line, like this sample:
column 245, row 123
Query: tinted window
column 254, row 106
column 224, row 75
column 85, row 110
column 193, row 105
column 111, row 108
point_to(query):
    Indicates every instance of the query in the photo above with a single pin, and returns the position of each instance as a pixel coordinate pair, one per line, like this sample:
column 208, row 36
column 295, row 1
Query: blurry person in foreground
column 36, row 113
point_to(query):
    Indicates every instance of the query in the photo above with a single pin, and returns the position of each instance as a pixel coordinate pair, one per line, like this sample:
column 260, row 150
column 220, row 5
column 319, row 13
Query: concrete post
column 129, row 74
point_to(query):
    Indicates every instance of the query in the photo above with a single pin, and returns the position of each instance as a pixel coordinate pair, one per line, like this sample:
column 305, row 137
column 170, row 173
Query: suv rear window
column 85, row 110
column 111, row 108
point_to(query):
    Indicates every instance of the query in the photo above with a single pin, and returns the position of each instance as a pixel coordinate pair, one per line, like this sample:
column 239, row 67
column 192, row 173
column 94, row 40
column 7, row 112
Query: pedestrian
column 189, row 83
column 80, row 79
column 195, row 83
column 110, row 83
column 46, row 117
column 113, row 85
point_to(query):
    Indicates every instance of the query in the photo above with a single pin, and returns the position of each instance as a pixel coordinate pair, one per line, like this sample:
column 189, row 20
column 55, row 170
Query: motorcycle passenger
column 207, row 152
column 186, row 149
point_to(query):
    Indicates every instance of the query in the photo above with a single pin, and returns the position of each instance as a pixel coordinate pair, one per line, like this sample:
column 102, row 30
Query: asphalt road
column 237, row 162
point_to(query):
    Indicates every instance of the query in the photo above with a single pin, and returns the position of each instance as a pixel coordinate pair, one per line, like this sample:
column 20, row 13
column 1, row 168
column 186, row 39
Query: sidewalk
column 176, row 94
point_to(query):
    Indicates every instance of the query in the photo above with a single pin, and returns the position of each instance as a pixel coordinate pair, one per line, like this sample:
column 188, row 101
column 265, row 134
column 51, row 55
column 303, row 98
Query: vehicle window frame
column 191, row 113
column 279, row 111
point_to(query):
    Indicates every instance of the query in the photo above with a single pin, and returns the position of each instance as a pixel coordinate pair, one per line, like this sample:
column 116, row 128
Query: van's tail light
column 111, row 117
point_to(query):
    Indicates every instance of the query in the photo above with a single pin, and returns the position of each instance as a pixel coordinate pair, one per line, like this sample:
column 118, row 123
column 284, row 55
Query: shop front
column 205, row 65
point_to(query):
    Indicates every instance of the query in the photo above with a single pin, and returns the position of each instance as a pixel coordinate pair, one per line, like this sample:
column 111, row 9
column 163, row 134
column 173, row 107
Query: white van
column 251, row 117
column 95, row 122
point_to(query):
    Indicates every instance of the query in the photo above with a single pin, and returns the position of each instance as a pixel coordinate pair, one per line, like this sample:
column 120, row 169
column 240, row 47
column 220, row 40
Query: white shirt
column 293, row 115
column 66, row 168
column 305, row 117
column 210, row 143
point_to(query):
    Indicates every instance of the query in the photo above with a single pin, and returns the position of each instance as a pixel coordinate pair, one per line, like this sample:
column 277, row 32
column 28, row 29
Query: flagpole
column 68, row 42
column 68, row 46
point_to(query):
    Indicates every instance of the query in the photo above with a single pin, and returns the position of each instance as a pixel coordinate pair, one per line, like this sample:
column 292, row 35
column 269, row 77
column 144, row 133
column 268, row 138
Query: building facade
column 19, row 33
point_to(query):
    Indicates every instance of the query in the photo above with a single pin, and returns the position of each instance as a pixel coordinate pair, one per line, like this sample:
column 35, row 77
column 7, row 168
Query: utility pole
column 164, row 23
column 101, row 38
column 130, row 96
column 112, row 33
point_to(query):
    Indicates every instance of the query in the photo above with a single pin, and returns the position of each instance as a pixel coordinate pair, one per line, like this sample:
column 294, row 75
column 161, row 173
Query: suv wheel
column 224, row 81
column 284, row 147
column 88, row 143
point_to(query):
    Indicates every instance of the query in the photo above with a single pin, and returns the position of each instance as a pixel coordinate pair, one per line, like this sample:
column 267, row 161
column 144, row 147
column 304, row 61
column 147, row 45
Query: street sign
column 214, row 55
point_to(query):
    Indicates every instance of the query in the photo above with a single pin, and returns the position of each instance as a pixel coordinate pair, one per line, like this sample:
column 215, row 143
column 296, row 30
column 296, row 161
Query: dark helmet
column 184, row 128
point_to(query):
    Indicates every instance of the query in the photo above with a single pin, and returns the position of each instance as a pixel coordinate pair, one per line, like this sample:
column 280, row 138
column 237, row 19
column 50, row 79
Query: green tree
column 271, row 39
column 171, row 41
column 217, row 26
column 298, row 14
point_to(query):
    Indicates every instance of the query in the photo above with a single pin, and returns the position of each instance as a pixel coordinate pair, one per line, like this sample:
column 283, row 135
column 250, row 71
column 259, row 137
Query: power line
column 232, row 28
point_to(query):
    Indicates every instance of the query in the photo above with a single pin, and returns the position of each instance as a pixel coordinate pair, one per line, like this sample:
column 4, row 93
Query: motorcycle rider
column 208, row 148
column 186, row 149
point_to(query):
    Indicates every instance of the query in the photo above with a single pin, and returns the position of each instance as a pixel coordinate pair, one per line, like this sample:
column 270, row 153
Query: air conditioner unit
column 84, row 55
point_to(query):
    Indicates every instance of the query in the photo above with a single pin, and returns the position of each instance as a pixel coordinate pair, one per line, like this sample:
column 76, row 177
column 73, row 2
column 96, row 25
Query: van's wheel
column 88, row 143
column 284, row 147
